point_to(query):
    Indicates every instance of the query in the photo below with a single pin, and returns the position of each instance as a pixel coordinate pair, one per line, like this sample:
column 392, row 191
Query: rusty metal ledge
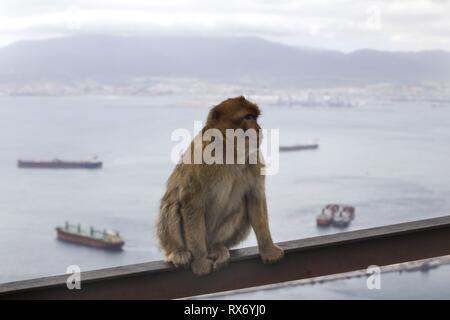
column 305, row 258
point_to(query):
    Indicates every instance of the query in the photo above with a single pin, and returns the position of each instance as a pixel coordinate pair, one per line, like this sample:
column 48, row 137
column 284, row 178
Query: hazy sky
column 340, row 24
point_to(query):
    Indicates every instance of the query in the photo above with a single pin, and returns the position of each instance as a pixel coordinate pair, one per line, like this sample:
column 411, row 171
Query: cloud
column 339, row 24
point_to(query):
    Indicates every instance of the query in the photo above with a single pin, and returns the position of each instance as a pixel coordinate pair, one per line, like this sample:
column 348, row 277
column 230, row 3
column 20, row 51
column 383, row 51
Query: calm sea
column 390, row 161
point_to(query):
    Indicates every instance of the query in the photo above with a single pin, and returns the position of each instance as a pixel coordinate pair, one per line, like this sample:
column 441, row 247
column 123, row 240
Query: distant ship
column 59, row 164
column 105, row 239
column 325, row 217
column 299, row 147
column 335, row 214
column 344, row 216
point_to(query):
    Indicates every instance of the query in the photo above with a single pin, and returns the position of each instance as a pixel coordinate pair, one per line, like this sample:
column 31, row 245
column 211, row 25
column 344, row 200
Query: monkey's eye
column 250, row 117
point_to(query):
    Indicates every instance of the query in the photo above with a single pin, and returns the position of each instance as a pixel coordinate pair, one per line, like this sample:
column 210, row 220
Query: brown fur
column 209, row 208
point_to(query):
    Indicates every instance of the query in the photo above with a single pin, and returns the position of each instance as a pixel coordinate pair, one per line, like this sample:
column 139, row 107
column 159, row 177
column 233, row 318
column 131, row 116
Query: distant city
column 271, row 72
column 435, row 94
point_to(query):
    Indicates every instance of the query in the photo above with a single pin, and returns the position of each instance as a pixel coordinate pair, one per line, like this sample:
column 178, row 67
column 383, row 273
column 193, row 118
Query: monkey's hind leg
column 227, row 236
column 171, row 238
column 221, row 256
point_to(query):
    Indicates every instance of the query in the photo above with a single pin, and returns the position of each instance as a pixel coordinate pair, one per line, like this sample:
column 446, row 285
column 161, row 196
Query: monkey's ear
column 241, row 99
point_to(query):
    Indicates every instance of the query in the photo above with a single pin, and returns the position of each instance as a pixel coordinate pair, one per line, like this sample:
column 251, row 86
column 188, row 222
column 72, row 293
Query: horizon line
column 304, row 47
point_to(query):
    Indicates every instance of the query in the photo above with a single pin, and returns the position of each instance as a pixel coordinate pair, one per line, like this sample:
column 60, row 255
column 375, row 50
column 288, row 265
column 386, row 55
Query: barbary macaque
column 208, row 208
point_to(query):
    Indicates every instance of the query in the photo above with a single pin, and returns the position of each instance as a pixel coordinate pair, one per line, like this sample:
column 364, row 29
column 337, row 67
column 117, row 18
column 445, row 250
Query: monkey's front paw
column 221, row 257
column 202, row 266
column 180, row 258
column 272, row 254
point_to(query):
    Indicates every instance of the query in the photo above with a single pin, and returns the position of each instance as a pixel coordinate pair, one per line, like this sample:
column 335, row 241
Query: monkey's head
column 234, row 113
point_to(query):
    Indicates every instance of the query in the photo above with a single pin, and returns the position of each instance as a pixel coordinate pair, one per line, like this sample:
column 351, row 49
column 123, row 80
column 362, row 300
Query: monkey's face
column 245, row 114
column 235, row 113
column 250, row 121
column 241, row 116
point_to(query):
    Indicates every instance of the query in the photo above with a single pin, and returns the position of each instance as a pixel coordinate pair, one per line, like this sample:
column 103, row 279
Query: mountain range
column 116, row 58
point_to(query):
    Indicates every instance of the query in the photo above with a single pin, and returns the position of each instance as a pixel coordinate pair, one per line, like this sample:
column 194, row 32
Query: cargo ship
column 59, row 164
column 106, row 239
column 299, row 147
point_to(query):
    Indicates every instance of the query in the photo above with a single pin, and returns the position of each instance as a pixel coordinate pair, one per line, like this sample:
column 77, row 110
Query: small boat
column 59, row 164
column 299, row 147
column 343, row 216
column 350, row 211
column 335, row 214
column 341, row 220
column 325, row 217
column 105, row 239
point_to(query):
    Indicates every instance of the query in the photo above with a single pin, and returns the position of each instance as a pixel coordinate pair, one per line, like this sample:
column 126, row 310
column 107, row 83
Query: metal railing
column 305, row 258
